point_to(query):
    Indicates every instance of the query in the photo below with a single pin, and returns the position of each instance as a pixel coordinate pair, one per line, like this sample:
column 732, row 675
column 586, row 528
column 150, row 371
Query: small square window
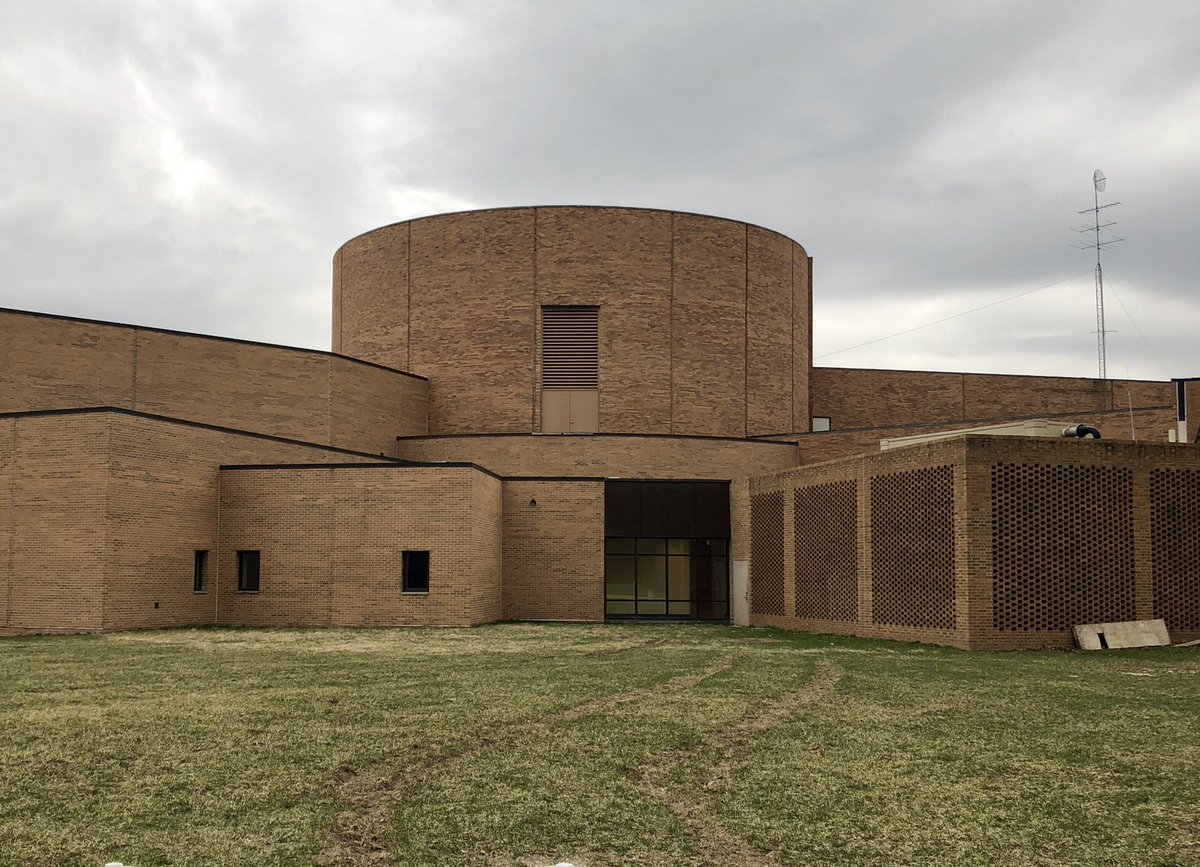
column 248, row 565
column 199, row 571
column 415, row 572
column 820, row 423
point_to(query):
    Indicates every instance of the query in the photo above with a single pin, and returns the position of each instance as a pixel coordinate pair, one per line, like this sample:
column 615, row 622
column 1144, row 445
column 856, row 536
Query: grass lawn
column 599, row 745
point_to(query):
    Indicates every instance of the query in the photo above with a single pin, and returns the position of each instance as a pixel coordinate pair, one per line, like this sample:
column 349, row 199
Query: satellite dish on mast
column 1099, row 180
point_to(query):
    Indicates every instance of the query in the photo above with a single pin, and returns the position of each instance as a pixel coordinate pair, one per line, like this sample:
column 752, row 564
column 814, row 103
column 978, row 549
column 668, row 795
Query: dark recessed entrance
column 646, row 577
column 666, row 550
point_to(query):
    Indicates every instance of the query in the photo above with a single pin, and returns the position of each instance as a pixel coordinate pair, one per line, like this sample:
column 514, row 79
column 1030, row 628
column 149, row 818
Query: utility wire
column 1136, row 328
column 953, row 316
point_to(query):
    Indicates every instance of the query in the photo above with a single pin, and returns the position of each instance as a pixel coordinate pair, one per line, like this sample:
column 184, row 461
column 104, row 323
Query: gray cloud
column 196, row 166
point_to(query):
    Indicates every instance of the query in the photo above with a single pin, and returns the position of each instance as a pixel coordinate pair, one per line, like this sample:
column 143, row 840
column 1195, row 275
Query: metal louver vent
column 570, row 353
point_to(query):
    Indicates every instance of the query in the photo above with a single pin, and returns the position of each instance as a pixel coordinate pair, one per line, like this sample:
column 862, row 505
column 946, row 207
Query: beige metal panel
column 585, row 410
column 556, row 410
column 570, row 410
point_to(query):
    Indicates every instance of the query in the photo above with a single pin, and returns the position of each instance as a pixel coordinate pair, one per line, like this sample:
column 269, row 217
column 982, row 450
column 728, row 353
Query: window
column 248, row 563
column 414, row 571
column 820, row 423
column 666, row 578
column 200, row 567
column 570, row 369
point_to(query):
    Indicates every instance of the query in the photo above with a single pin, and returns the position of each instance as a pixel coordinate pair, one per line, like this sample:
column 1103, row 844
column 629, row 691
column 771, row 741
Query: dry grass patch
column 602, row 745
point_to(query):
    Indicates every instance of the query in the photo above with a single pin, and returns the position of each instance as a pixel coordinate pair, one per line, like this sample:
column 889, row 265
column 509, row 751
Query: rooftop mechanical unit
column 1039, row 427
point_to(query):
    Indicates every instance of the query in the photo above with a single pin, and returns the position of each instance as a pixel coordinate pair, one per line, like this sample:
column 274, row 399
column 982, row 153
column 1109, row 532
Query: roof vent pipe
column 1081, row 431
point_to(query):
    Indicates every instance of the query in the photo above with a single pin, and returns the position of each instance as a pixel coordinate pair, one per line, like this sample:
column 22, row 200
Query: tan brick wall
column 56, row 550
column 708, row 328
column 739, row 533
column 331, row 543
column 376, row 268
column 487, row 548
column 1099, row 531
column 771, row 301
column 704, row 329
column 163, row 507
column 1148, row 424
column 554, row 550
column 802, row 340
column 471, row 312
column 739, row 519
column 620, row 260
column 602, row 456
column 8, row 444
column 103, row 512
column 855, row 398
column 367, row 403
column 56, row 363
column 51, row 363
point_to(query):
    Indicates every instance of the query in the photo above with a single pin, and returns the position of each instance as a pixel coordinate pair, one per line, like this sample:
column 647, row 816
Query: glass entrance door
column 676, row 578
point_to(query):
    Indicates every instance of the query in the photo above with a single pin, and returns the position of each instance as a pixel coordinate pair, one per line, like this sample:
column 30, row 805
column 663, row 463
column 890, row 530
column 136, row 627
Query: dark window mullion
column 637, row 596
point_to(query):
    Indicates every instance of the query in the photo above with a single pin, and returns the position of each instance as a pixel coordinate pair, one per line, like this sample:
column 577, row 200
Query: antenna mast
column 1098, row 184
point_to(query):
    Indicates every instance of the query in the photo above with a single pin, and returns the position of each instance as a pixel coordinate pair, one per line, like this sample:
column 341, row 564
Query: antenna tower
column 1094, row 228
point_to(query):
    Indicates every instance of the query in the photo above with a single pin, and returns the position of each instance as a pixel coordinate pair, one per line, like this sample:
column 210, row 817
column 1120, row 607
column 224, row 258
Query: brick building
column 575, row 414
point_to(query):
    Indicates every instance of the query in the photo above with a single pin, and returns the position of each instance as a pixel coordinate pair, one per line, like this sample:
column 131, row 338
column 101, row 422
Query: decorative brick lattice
column 766, row 553
column 826, row 551
column 1175, row 546
column 912, row 548
column 1062, row 546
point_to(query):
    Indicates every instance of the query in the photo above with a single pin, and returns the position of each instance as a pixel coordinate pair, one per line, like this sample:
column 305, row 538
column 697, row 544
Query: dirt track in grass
column 718, row 846
column 601, row 745
column 360, row 833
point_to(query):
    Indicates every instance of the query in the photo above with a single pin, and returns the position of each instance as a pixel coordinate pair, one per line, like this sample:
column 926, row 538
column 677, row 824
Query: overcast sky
column 196, row 165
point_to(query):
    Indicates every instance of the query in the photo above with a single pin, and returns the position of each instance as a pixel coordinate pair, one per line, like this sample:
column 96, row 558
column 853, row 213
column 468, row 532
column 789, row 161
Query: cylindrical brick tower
column 697, row 325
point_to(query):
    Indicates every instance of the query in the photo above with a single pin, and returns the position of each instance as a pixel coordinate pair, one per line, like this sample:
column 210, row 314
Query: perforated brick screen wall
column 826, row 551
column 1062, row 546
column 1174, row 526
column 912, row 548
column 766, row 557
column 984, row 543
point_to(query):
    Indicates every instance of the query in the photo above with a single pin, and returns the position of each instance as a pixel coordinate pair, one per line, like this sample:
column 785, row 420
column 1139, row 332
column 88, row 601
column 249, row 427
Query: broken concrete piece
column 1128, row 633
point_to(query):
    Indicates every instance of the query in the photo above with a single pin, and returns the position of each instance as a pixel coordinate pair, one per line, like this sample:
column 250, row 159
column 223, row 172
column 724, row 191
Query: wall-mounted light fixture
column 532, row 503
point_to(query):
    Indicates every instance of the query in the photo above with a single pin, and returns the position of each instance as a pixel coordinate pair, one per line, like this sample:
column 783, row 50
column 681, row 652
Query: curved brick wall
column 705, row 323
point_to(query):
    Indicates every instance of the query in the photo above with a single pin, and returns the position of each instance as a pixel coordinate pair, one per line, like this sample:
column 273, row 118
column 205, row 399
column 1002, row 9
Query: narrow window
column 415, row 572
column 199, row 570
column 570, row 369
column 247, row 562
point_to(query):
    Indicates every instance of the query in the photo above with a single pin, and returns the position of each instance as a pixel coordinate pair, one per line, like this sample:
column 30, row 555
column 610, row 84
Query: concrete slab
column 1129, row 633
column 739, row 592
